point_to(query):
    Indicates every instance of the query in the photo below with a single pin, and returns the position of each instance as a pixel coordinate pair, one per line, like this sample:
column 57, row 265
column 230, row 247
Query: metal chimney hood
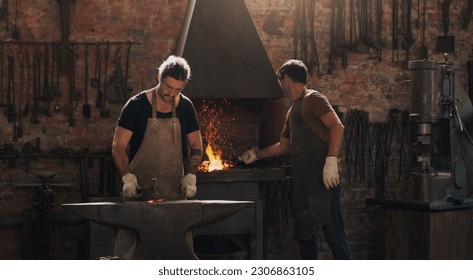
column 225, row 52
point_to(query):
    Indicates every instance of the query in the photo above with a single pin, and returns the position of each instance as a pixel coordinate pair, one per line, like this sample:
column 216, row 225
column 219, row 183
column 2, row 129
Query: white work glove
column 188, row 185
column 130, row 186
column 249, row 156
column 330, row 174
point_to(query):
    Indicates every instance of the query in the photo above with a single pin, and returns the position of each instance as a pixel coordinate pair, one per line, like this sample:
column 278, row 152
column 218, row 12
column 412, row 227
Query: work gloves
column 330, row 173
column 249, row 156
column 188, row 185
column 130, row 186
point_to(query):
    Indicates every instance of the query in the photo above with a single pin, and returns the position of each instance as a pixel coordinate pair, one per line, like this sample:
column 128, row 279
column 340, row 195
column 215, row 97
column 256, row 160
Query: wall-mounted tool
column 55, row 78
column 423, row 49
column 117, row 91
column 35, row 110
column 338, row 45
column 45, row 97
column 65, row 7
column 26, row 109
column 127, row 66
column 308, row 50
column 105, row 113
column 86, row 106
column 2, row 102
column 395, row 30
column 10, row 105
column 20, row 56
column 4, row 12
column 467, row 14
column 469, row 65
column 445, row 43
column 95, row 82
column 74, row 95
column 408, row 40
column 417, row 22
column 15, row 34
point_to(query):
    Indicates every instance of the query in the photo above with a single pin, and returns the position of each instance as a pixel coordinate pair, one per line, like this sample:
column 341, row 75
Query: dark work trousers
column 334, row 234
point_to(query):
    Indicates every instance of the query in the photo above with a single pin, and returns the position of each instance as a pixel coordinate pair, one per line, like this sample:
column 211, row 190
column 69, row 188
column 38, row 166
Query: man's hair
column 294, row 69
column 175, row 67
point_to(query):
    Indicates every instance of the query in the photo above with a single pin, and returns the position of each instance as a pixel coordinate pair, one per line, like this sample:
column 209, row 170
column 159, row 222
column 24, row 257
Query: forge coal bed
column 238, row 184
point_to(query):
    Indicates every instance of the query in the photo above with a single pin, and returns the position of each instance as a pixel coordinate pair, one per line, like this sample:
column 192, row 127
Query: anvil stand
column 37, row 221
column 42, row 204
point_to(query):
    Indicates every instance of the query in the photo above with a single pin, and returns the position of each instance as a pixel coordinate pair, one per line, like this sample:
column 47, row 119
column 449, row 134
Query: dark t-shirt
column 134, row 117
column 314, row 106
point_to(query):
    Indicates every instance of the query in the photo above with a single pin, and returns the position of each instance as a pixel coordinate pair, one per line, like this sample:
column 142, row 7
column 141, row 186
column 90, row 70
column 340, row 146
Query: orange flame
column 215, row 161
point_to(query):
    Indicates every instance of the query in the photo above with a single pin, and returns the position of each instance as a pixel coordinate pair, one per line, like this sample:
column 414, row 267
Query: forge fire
column 215, row 161
column 216, row 126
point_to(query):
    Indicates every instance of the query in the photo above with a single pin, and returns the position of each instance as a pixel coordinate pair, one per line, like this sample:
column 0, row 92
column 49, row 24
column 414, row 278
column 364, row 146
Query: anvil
column 162, row 227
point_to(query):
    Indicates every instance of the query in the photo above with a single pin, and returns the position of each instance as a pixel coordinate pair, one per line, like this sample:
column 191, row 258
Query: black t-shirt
column 134, row 117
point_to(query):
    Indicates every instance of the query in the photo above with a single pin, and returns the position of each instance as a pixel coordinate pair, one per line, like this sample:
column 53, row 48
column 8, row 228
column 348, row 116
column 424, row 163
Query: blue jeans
column 333, row 232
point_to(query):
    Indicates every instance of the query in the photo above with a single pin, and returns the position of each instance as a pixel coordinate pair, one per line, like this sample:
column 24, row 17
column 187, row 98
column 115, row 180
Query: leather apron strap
column 310, row 199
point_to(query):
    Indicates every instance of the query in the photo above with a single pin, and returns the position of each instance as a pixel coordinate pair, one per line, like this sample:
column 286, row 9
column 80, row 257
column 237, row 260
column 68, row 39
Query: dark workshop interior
column 398, row 73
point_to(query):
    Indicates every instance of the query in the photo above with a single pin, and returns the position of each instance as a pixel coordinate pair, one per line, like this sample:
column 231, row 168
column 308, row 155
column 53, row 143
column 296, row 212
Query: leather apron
column 158, row 163
column 310, row 199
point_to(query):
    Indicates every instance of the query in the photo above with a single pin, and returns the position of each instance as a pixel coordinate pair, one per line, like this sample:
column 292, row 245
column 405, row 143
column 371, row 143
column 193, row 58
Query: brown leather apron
column 310, row 199
column 158, row 163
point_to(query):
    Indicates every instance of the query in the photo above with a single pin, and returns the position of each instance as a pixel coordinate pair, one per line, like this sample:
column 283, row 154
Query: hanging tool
column 2, row 103
column 65, row 7
column 45, row 97
column 36, row 86
column 469, row 65
column 26, row 108
column 116, row 84
column 127, row 66
column 76, row 95
column 342, row 45
column 68, row 110
column 423, row 49
column 338, row 45
column 55, row 77
column 105, row 113
column 395, row 26
column 15, row 34
column 86, row 106
column 352, row 46
column 314, row 57
column 4, row 13
column 364, row 26
column 95, row 82
column 408, row 40
column 10, row 110
column 333, row 38
column 10, row 106
column 417, row 22
column 21, row 62
column 379, row 26
column 446, row 16
column 467, row 14
column 445, row 43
